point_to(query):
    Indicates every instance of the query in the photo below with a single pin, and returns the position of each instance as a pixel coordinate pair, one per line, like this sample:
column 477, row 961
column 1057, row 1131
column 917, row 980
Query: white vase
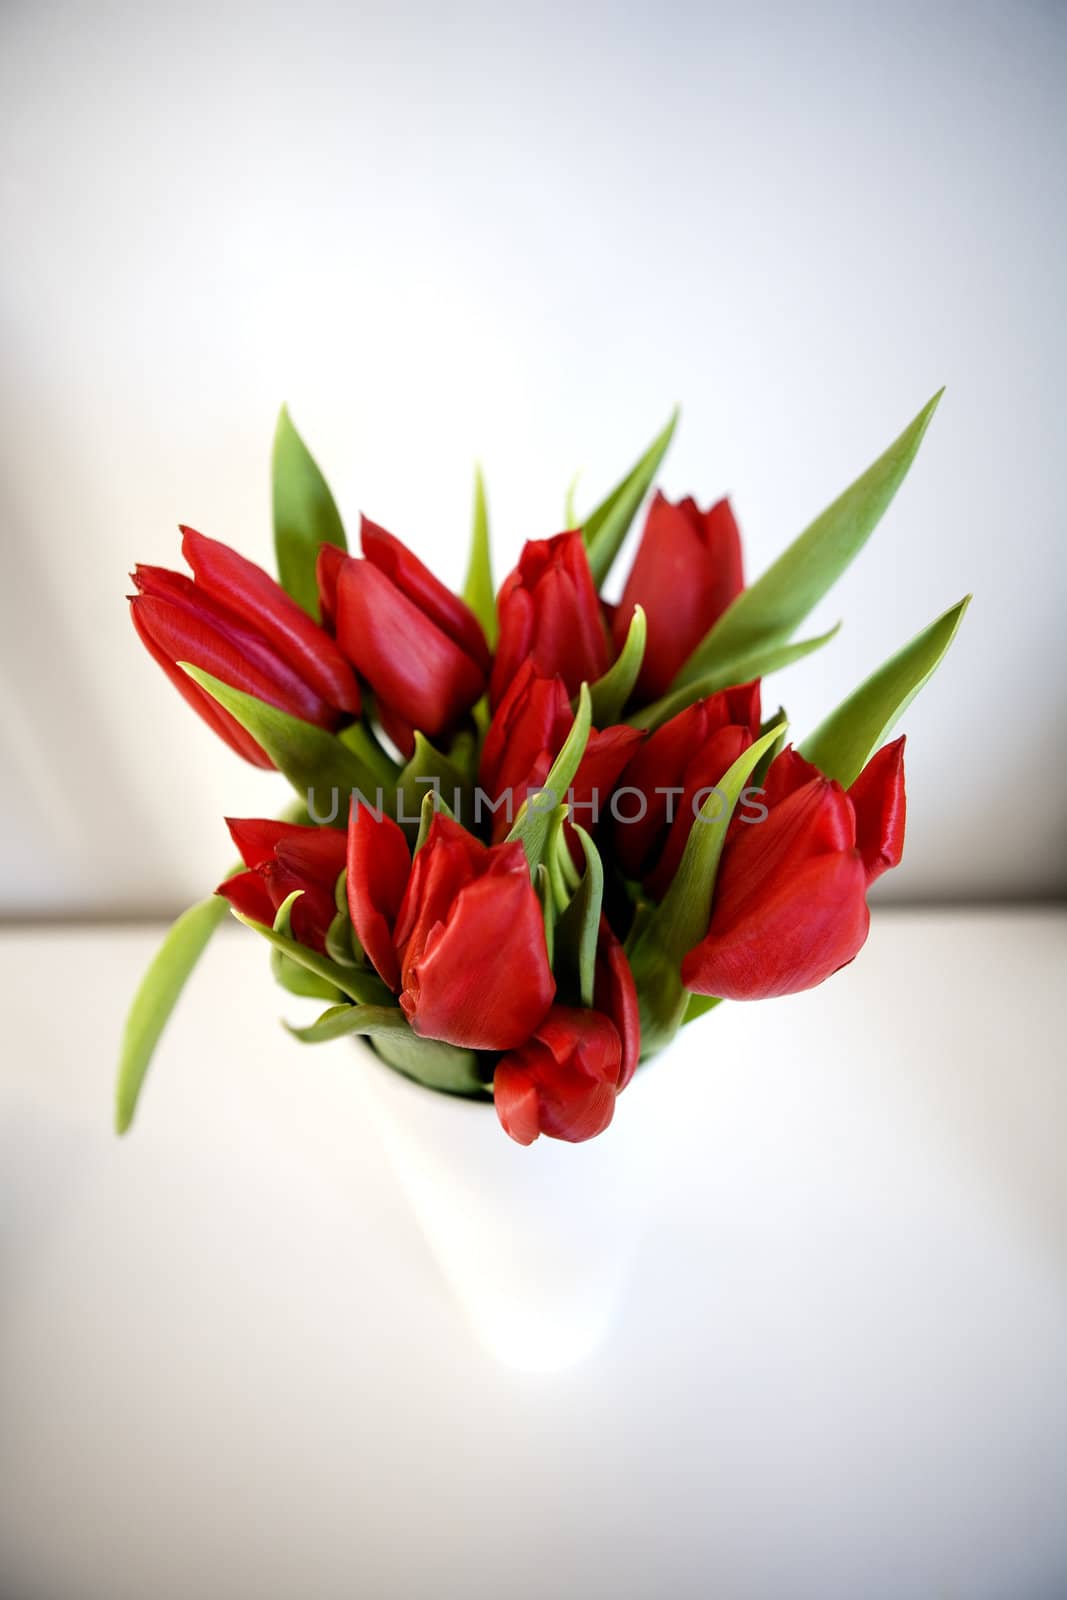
column 536, row 1243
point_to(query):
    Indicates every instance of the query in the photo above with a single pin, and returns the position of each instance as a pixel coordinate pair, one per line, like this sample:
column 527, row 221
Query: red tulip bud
column 281, row 857
column 550, row 615
column 464, row 942
column 231, row 619
column 565, row 1079
column 674, row 771
column 419, row 647
column 686, row 572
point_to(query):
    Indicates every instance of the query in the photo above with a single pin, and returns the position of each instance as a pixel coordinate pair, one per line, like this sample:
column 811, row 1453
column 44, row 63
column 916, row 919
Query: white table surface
column 229, row 1366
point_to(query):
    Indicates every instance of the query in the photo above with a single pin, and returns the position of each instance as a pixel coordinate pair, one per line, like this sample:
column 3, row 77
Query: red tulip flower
column 790, row 899
column 231, row 619
column 458, row 932
column 550, row 615
column 565, row 1079
column 281, row 857
column 421, row 649
column 526, row 734
column 674, row 772
column 686, row 572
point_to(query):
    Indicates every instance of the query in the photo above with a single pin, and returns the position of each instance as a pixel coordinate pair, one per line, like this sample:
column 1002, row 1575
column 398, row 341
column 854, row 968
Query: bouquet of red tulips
column 535, row 833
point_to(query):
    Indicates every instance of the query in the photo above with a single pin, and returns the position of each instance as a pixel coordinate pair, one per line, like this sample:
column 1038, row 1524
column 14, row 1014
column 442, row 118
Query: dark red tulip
column 686, row 572
column 526, row 734
column 790, row 899
column 550, row 615
column 463, row 940
column 674, row 772
column 421, row 649
column 281, row 857
column 231, row 619
column 565, row 1079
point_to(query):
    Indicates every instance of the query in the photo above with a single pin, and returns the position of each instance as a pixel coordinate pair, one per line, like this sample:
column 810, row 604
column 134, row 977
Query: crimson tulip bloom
column 790, row 899
column 687, row 755
column 458, row 931
column 686, row 572
column 231, row 619
column 281, row 857
column 565, row 1079
column 526, row 734
column 550, row 615
column 421, row 649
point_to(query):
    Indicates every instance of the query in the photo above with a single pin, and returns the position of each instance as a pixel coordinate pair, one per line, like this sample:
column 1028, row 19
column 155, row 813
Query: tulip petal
column 414, row 667
column 483, row 979
column 378, row 869
column 218, row 720
column 249, row 894
column 881, row 810
column 254, row 595
column 415, row 580
column 616, row 996
column 686, row 572
column 806, row 926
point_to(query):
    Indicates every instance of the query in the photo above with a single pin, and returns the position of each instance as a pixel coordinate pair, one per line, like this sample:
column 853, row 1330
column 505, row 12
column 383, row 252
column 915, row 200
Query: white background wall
column 441, row 233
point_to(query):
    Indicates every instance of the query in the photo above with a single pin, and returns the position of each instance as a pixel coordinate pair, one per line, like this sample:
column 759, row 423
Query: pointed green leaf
column 434, row 1064
column 430, row 772
column 432, row 803
column 605, row 528
column 610, row 693
column 699, row 1005
column 478, row 588
column 773, row 607
column 570, row 514
column 533, row 825
column 428, row 1061
column 305, row 515
column 576, row 934
column 341, row 1021
column 321, row 769
column 293, row 977
column 358, row 738
column 157, row 996
column 742, row 669
column 362, row 986
column 843, row 744
column 667, row 933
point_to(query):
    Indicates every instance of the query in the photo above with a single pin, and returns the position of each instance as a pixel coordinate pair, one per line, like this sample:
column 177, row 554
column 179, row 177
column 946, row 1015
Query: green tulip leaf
column 363, row 986
column 358, row 738
column 293, row 977
column 570, row 513
column 433, row 1063
column 321, row 769
column 610, row 693
column 156, row 997
column 305, row 515
column 429, row 1061
column 432, row 803
column 605, row 528
column 742, row 669
column 534, row 823
column 579, row 925
column 771, row 609
column 843, row 744
column 478, row 589
column 663, row 937
column 341, row 1021
column 699, row 1005
column 430, row 772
